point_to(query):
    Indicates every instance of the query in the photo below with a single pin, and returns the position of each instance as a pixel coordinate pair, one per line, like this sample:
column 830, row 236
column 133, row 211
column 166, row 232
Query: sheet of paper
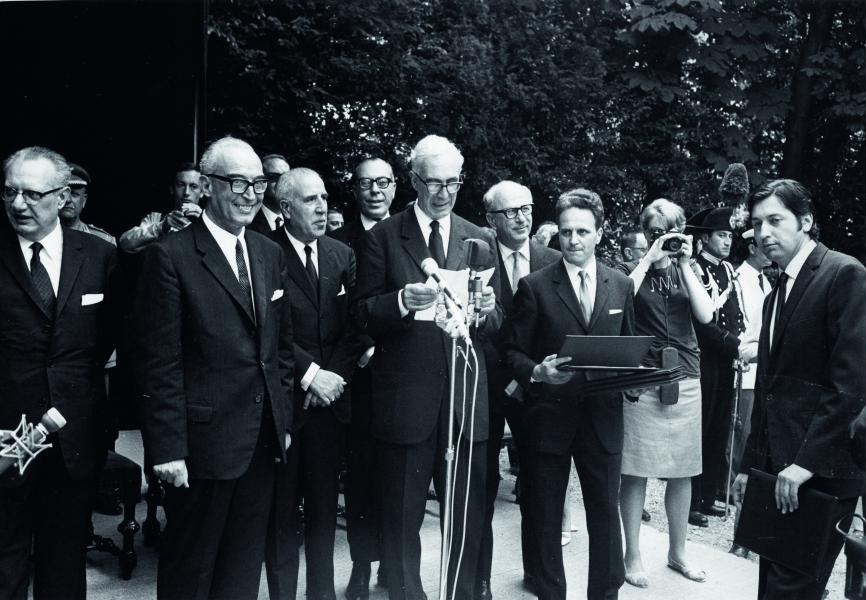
column 458, row 282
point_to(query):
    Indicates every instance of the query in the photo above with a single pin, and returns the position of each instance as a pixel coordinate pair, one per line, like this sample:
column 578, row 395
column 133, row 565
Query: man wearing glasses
column 215, row 375
column 509, row 213
column 373, row 187
column 269, row 218
column 410, row 372
column 55, row 336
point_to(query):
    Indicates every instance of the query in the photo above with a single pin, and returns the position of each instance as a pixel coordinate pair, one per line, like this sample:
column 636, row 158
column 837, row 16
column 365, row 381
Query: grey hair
column 502, row 188
column 211, row 156
column 287, row 186
column 64, row 172
column 432, row 146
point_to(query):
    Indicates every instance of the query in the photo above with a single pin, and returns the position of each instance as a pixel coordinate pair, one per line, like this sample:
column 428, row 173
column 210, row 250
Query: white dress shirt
column 793, row 269
column 50, row 256
column 226, row 242
column 508, row 260
column 752, row 305
column 298, row 245
column 271, row 217
column 591, row 269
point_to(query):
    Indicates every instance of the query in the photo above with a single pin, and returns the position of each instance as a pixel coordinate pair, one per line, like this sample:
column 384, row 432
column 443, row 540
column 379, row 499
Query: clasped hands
column 420, row 296
column 324, row 390
column 788, row 483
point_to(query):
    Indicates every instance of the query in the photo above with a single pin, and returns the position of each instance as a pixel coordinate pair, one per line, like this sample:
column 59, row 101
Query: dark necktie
column 311, row 270
column 244, row 277
column 761, row 281
column 781, row 286
column 41, row 280
column 437, row 249
column 278, row 223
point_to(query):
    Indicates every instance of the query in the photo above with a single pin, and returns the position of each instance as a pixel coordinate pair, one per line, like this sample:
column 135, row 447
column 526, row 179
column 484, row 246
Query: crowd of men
column 268, row 344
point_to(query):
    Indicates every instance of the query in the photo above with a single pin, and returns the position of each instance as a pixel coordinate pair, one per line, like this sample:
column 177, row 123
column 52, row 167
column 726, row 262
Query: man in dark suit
column 509, row 213
column 321, row 276
column 810, row 380
column 373, row 187
column 577, row 296
column 411, row 369
column 215, row 376
column 55, row 336
column 269, row 217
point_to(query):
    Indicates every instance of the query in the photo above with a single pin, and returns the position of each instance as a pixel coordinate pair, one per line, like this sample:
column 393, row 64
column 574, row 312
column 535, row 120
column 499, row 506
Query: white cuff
column 403, row 310
column 308, row 377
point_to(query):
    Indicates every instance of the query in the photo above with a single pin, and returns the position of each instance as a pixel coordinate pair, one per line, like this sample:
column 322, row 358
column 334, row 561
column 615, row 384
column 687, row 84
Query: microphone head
column 53, row 420
column 478, row 254
column 429, row 266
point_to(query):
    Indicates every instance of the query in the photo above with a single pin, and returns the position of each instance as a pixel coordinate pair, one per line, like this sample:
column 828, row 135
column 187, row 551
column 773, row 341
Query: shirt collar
column 796, row 264
column 424, row 221
column 52, row 244
column 367, row 223
column 271, row 216
column 710, row 258
column 507, row 252
column 224, row 238
column 574, row 271
column 298, row 245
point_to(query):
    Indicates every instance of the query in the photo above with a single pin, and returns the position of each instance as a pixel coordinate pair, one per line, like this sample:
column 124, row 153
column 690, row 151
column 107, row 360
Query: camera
column 674, row 244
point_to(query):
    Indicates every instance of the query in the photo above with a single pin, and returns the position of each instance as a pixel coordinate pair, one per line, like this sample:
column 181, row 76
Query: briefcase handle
column 854, row 545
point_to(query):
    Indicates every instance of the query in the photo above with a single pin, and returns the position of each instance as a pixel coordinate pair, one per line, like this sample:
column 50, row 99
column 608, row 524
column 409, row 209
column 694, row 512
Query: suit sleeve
column 844, row 398
column 717, row 339
column 377, row 312
column 628, row 310
column 520, row 332
column 350, row 346
column 158, row 313
column 286, row 348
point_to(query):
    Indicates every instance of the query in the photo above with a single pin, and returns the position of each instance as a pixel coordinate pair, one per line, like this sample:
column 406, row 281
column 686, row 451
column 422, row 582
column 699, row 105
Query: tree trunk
column 798, row 135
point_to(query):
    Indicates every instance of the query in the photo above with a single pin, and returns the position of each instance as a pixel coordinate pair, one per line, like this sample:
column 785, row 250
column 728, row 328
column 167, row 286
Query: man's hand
column 176, row 221
column 173, row 472
column 488, row 301
column 327, row 385
column 738, row 490
column 548, row 370
column 190, row 210
column 311, row 399
column 446, row 321
column 365, row 358
column 417, row 296
column 788, row 483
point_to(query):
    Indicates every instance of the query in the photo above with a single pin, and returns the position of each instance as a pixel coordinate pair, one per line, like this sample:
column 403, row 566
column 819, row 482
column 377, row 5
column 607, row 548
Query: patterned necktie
column 311, row 270
column 781, row 288
column 244, row 277
column 278, row 223
column 41, row 280
column 516, row 272
column 437, row 249
column 583, row 296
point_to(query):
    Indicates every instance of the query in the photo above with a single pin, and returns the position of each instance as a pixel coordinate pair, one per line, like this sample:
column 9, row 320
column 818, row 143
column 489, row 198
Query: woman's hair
column 672, row 215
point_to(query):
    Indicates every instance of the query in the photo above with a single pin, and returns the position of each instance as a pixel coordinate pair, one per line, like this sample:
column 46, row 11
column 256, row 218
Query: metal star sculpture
column 20, row 444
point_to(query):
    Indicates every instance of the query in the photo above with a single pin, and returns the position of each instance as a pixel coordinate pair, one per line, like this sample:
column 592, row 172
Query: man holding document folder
column 810, row 381
column 577, row 296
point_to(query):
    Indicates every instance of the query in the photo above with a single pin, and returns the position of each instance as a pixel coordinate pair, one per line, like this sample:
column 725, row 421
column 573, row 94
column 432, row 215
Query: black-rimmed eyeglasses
column 434, row 187
column 239, row 186
column 31, row 197
column 511, row 213
column 365, row 183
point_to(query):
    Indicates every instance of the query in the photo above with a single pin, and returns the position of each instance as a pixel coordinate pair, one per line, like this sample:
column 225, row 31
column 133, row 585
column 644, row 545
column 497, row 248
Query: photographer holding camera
column 663, row 425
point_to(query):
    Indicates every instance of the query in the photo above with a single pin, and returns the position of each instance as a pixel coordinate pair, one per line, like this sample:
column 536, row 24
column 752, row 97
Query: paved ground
column 729, row 578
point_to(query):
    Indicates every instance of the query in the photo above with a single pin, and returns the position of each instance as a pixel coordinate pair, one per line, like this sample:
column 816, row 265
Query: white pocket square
column 88, row 299
column 277, row 295
column 614, row 311
column 342, row 290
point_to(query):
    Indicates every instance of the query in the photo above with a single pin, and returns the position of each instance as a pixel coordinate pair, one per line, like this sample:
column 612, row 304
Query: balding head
column 304, row 203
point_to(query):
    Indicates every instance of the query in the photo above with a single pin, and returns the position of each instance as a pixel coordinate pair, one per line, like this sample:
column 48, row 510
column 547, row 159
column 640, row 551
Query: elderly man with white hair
column 410, row 372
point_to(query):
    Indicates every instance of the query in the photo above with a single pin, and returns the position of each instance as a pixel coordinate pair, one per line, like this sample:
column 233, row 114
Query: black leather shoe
column 698, row 519
column 712, row 511
column 382, row 577
column 359, row 582
column 483, row 591
column 739, row 551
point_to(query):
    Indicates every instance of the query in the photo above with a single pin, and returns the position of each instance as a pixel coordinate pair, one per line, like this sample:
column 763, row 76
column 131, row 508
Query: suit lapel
column 298, row 273
column 329, row 276
column 70, row 264
column 565, row 291
column 413, row 241
column 801, row 283
column 602, row 290
column 454, row 258
column 14, row 261
column 260, row 283
column 507, row 292
column 215, row 261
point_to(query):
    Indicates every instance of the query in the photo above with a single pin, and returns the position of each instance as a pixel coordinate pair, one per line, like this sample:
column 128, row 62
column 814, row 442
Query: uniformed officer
column 70, row 213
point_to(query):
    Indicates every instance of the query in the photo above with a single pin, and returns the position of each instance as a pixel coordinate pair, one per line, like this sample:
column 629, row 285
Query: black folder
column 797, row 540
column 605, row 352
column 648, row 377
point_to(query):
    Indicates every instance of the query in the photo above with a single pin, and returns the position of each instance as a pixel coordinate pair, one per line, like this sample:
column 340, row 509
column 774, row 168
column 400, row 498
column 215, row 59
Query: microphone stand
column 738, row 386
column 447, row 507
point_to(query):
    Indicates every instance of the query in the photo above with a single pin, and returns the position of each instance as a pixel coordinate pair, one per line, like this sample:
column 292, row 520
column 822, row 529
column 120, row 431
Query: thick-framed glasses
column 365, row 183
column 434, row 187
column 239, row 186
column 511, row 213
column 31, row 197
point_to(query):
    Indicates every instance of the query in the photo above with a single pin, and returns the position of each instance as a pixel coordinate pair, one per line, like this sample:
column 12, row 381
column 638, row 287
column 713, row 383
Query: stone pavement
column 728, row 577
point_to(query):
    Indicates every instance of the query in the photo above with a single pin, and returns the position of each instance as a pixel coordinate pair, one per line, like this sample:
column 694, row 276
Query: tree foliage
column 633, row 99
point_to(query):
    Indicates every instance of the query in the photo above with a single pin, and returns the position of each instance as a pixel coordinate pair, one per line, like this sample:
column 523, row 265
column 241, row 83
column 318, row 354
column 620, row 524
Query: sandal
column 698, row 576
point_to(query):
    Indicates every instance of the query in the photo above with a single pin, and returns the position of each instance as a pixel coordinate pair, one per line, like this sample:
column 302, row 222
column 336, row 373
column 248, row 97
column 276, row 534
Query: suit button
column 258, row 398
column 262, row 363
column 769, row 397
